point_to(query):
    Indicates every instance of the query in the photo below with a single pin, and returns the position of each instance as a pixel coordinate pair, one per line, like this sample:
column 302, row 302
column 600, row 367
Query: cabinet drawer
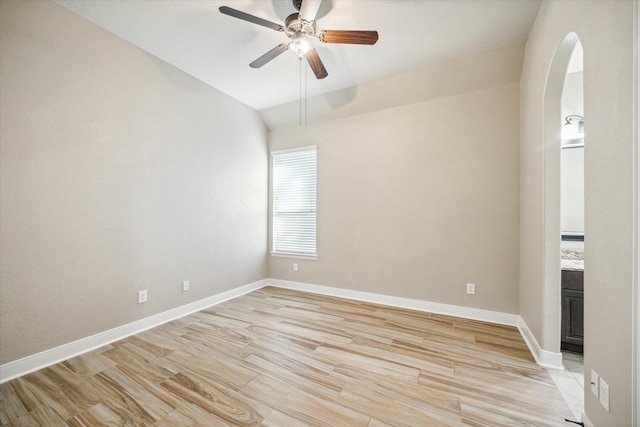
column 573, row 280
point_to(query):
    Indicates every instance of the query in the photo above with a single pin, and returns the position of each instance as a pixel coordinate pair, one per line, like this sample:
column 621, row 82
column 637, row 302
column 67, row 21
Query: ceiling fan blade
column 316, row 64
column 278, row 50
column 350, row 37
column 309, row 9
column 250, row 18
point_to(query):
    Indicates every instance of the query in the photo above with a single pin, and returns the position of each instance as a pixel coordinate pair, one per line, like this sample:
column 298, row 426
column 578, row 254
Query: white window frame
column 281, row 252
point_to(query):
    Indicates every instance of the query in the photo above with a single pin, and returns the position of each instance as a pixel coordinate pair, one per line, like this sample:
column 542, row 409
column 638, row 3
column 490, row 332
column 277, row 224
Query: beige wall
column 605, row 29
column 416, row 201
column 118, row 173
column 491, row 68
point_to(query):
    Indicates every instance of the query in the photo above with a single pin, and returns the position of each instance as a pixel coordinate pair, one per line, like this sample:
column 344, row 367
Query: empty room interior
column 401, row 213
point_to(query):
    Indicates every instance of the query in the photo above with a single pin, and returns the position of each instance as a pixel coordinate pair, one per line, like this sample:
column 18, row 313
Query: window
column 294, row 202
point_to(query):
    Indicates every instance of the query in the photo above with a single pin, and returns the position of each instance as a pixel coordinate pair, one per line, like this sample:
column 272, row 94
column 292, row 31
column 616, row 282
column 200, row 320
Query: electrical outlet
column 185, row 286
column 594, row 383
column 142, row 296
column 295, row 266
column 604, row 394
column 471, row 288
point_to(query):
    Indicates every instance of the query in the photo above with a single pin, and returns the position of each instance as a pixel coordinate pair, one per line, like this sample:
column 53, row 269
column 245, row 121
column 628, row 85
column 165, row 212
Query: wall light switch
column 604, row 394
column 295, row 266
column 185, row 286
column 471, row 288
column 594, row 383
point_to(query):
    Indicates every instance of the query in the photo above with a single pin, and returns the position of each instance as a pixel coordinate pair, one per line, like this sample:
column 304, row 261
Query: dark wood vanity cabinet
column 572, row 311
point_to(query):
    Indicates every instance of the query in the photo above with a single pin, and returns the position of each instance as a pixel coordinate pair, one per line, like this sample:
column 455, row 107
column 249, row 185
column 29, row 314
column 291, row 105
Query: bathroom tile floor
column 570, row 382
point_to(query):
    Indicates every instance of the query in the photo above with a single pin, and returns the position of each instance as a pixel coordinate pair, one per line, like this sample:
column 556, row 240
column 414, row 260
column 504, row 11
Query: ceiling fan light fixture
column 300, row 46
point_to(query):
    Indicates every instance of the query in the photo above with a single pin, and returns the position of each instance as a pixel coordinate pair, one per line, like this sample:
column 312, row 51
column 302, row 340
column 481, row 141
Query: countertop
column 572, row 259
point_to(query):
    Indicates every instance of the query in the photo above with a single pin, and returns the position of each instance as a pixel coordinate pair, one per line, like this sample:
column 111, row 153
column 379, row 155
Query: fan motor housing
column 297, row 4
column 294, row 25
column 292, row 22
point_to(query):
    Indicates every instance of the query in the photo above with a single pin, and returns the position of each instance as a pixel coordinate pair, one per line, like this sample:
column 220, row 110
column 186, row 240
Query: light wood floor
column 278, row 357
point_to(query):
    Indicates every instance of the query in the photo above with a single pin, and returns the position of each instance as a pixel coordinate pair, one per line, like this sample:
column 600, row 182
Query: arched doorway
column 553, row 122
column 560, row 231
column 572, row 209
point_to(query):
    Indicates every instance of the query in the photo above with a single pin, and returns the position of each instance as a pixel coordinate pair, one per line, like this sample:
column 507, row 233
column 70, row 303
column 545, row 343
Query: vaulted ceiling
column 196, row 38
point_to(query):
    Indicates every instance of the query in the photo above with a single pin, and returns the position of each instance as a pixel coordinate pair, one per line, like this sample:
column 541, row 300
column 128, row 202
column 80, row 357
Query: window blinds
column 294, row 202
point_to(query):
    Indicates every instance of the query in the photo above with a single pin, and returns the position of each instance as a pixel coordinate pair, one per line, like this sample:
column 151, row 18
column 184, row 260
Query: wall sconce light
column 573, row 131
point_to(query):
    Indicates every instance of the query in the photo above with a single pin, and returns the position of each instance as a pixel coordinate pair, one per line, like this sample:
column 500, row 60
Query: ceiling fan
column 300, row 28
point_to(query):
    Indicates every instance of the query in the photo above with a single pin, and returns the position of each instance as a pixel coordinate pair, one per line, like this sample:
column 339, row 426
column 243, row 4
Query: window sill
column 296, row 256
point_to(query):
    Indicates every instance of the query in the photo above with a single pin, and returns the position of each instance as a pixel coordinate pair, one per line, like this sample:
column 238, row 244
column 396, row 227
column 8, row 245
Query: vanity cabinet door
column 572, row 320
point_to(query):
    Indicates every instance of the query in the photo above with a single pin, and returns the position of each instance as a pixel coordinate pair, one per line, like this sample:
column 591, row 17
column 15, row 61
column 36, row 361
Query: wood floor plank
column 62, row 390
column 39, row 417
column 89, row 364
column 279, row 357
column 278, row 419
column 300, row 405
column 189, row 415
column 233, row 344
column 264, row 348
column 403, row 356
column 124, row 394
column 222, row 371
column 311, row 381
column 227, row 404
column 152, row 388
column 398, row 412
column 357, row 359
column 104, row 414
column 14, row 402
column 155, row 368
column 369, row 383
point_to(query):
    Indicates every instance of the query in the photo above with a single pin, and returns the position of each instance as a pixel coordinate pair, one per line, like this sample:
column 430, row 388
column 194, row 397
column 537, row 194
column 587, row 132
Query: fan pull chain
column 300, row 92
column 306, row 73
column 302, row 121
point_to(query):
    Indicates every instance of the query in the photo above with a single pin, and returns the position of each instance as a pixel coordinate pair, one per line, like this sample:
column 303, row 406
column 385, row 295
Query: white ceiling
column 196, row 38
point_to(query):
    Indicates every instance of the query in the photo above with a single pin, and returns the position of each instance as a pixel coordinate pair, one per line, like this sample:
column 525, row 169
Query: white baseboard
column 413, row 304
column 58, row 354
column 547, row 359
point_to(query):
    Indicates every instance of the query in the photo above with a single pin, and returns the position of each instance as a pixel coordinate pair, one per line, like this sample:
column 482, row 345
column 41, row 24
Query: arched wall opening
column 551, row 307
